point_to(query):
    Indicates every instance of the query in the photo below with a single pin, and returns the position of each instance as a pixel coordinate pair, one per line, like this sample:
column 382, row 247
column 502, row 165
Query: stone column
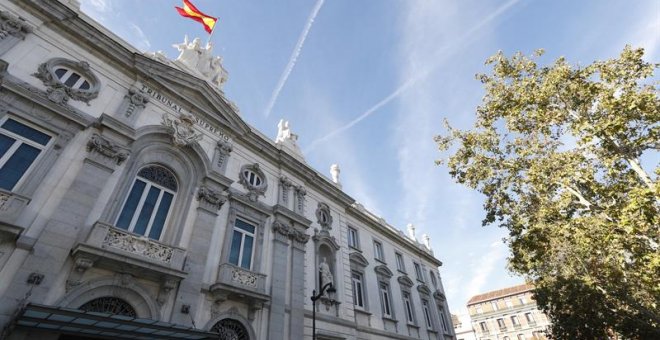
column 297, row 319
column 278, row 280
column 210, row 201
column 50, row 251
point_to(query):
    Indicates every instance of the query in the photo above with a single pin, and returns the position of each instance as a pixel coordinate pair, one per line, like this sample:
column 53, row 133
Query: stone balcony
column 237, row 283
column 117, row 249
column 11, row 205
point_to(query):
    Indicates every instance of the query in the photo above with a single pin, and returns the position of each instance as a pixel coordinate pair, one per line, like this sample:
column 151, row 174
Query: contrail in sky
column 464, row 38
column 294, row 57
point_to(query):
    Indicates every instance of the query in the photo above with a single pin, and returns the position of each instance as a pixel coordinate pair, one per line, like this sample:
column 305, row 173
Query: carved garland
column 290, row 232
column 137, row 245
column 212, row 197
column 12, row 25
column 107, row 148
column 323, row 216
column 59, row 92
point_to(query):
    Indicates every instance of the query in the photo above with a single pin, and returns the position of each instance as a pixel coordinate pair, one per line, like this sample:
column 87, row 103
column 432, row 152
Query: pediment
column 405, row 281
column 190, row 95
column 424, row 289
column 383, row 270
column 359, row 259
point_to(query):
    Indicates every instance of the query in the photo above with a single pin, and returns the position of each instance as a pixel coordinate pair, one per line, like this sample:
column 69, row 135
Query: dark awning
column 78, row 322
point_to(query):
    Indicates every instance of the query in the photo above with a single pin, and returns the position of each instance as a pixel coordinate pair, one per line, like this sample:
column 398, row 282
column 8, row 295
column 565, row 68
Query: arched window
column 230, row 329
column 111, row 305
column 149, row 202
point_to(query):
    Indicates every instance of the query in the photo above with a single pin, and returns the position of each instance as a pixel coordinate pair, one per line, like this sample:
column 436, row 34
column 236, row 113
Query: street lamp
column 322, row 289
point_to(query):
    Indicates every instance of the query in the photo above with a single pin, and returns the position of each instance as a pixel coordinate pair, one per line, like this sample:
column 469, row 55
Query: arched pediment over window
column 357, row 258
column 424, row 289
column 405, row 281
column 382, row 270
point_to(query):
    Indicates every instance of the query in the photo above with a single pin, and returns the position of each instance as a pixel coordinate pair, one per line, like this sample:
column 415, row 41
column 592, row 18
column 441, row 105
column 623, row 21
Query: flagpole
column 210, row 35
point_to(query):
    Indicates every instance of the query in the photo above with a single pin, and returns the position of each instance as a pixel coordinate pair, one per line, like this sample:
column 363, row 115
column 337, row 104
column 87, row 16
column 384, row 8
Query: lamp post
column 322, row 289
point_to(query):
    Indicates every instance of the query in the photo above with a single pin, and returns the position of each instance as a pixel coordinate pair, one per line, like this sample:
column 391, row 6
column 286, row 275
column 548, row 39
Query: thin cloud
column 141, row 40
column 294, row 58
column 462, row 40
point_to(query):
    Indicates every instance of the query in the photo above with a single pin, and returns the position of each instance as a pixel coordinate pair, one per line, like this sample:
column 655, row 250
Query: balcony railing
column 238, row 277
column 116, row 248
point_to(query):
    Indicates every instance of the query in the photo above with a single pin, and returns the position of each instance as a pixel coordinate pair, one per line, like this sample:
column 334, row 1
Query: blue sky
column 366, row 84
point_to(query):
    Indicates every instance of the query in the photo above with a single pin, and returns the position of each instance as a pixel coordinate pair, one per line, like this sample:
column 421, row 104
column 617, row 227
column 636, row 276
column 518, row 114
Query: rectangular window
column 418, row 272
column 515, row 321
column 493, row 305
column 443, row 319
column 146, row 209
column 500, row 322
column 378, row 251
column 20, row 145
column 484, row 327
column 399, row 263
column 529, row 317
column 385, row 299
column 521, row 337
column 358, row 290
column 353, row 238
column 508, row 303
column 242, row 245
column 522, row 299
column 409, row 308
column 480, row 309
column 427, row 313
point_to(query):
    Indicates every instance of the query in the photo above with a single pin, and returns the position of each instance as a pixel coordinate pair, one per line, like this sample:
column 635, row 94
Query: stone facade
column 509, row 314
column 120, row 195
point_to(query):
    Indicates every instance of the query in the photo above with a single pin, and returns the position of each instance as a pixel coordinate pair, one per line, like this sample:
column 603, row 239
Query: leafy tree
column 556, row 151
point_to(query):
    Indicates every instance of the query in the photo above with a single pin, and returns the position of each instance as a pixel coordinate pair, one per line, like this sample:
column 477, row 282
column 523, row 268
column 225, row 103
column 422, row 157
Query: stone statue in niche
column 326, row 274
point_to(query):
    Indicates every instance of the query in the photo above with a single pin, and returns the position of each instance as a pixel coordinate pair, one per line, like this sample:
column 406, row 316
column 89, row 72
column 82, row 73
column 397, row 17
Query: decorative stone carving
column 411, row 231
column 83, row 263
column 4, row 201
column 158, row 56
column 244, row 277
column 288, row 231
column 11, row 25
column 107, row 148
column 13, row 29
column 183, row 133
column 201, row 61
column 253, row 180
column 137, row 245
column 211, row 197
column 323, row 216
column 300, row 199
column 299, row 236
column 285, row 186
column 60, row 93
column 224, row 150
column 134, row 102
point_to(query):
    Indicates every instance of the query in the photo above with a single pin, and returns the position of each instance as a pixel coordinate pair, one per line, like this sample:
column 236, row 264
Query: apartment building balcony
column 116, row 249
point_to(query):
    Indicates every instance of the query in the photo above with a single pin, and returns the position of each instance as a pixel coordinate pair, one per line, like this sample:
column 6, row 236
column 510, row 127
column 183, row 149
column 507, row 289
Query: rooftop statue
column 200, row 60
column 286, row 138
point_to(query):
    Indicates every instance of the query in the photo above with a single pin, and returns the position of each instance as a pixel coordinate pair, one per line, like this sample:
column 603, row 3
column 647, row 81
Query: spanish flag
column 190, row 11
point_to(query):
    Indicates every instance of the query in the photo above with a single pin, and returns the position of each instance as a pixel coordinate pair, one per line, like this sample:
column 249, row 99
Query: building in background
column 463, row 327
column 507, row 314
column 136, row 202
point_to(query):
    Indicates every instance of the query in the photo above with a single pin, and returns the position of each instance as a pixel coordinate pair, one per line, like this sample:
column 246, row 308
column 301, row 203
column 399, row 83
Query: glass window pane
column 235, row 247
column 246, row 261
column 161, row 215
column 26, row 131
column 147, row 210
column 16, row 166
column 5, row 143
column 60, row 72
column 73, row 78
column 131, row 204
column 85, row 85
column 245, row 226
